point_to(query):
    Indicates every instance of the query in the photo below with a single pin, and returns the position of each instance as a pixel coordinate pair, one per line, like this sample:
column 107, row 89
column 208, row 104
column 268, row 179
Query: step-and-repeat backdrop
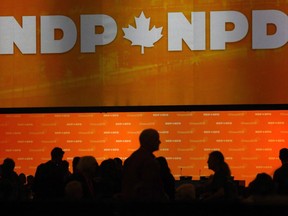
column 144, row 52
column 249, row 140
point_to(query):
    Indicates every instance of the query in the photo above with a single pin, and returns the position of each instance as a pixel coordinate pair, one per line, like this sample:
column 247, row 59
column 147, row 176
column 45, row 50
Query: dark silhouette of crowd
column 141, row 178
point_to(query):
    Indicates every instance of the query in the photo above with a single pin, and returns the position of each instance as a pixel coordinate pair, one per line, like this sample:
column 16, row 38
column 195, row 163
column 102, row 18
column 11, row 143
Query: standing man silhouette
column 141, row 172
column 280, row 175
column 50, row 177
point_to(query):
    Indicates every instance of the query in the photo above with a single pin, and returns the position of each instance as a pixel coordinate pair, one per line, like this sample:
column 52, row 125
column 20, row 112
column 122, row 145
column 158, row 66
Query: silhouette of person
column 22, row 182
column 280, row 175
column 50, row 177
column 28, row 187
column 185, row 193
column 83, row 183
column 219, row 186
column 74, row 163
column 119, row 168
column 9, row 181
column 141, row 178
column 109, row 179
column 167, row 178
column 25, row 187
column 260, row 189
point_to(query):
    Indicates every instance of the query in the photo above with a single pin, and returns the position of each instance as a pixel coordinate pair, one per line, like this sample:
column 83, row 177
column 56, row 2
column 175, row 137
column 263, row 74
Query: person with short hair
column 141, row 172
column 280, row 175
column 50, row 177
column 9, row 181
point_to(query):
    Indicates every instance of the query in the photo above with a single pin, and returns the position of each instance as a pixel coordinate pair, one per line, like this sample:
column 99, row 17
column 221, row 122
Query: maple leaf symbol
column 141, row 35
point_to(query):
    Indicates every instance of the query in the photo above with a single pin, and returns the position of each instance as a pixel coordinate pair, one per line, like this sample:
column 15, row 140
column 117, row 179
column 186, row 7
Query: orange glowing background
column 117, row 74
column 249, row 140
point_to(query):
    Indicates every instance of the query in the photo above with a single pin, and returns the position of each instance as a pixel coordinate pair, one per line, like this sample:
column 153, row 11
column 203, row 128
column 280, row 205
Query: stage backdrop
column 249, row 140
column 145, row 52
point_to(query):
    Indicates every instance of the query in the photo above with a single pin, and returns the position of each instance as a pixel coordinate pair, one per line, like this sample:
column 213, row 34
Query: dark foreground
column 139, row 209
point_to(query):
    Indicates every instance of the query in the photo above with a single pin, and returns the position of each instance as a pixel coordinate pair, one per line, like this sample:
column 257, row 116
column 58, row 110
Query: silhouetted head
column 215, row 160
column 88, row 166
column 57, row 154
column 75, row 162
column 22, row 178
column 150, row 139
column 8, row 164
column 30, row 179
column 283, row 155
column 262, row 185
column 118, row 161
column 7, row 167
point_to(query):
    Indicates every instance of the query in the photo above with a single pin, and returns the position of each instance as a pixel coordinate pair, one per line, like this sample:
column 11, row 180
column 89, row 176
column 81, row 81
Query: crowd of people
column 142, row 177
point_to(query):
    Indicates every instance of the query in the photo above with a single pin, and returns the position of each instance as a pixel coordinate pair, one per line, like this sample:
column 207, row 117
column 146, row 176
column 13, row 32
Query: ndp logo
column 180, row 29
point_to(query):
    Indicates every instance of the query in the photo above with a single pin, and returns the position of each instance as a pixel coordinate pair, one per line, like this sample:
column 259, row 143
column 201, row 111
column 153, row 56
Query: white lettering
column 219, row 36
column 100, row 29
column 89, row 39
column 48, row 26
column 179, row 28
column 11, row 32
column 261, row 19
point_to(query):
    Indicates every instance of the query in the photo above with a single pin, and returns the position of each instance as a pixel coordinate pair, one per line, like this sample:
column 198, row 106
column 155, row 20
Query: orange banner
column 249, row 140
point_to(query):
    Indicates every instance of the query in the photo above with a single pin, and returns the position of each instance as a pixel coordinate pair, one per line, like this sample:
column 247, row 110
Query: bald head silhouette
column 150, row 139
